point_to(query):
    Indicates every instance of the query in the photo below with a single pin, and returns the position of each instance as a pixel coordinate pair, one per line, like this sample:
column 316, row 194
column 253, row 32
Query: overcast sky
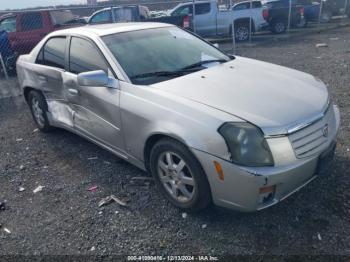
column 12, row 4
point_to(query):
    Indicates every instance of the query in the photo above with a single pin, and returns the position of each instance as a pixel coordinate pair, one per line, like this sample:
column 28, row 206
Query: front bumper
column 244, row 188
column 240, row 189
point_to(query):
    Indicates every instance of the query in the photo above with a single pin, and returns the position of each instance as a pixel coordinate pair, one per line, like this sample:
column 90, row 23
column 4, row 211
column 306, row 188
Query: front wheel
column 179, row 176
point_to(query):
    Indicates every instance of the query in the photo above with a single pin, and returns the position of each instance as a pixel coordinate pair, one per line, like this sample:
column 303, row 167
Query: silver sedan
column 209, row 127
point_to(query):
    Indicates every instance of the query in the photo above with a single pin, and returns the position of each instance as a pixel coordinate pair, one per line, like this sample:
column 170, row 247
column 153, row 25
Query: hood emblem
column 325, row 130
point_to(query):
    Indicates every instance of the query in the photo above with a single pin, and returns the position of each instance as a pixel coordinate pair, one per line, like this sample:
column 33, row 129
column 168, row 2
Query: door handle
column 73, row 91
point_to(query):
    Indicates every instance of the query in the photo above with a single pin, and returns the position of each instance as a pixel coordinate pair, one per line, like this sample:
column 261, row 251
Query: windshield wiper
column 180, row 72
column 201, row 63
column 162, row 73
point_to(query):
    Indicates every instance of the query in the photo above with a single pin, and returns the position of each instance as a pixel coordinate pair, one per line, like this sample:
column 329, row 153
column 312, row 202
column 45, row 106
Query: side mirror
column 231, row 56
column 216, row 45
column 96, row 78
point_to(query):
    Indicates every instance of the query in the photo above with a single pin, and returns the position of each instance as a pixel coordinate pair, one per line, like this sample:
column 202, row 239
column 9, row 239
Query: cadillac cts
column 209, row 127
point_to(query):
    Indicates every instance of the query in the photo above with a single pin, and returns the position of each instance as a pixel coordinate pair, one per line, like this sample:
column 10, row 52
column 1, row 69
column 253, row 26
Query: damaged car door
column 49, row 70
column 95, row 105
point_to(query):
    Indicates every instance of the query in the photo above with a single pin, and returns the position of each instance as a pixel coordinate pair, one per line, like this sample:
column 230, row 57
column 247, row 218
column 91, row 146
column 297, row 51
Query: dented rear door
column 47, row 74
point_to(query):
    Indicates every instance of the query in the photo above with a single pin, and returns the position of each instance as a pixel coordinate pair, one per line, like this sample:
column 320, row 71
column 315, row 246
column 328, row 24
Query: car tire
column 241, row 32
column 179, row 175
column 38, row 107
column 10, row 65
column 278, row 27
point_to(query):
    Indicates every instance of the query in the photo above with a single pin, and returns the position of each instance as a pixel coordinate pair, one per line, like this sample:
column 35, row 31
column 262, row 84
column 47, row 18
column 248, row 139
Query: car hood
column 273, row 97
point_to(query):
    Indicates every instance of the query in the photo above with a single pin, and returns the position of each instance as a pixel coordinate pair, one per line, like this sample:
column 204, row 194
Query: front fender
column 147, row 112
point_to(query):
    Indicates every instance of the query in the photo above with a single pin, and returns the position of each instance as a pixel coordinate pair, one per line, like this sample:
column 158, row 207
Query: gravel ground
column 64, row 218
column 9, row 88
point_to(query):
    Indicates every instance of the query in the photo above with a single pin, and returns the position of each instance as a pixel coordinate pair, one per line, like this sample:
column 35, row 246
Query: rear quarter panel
column 24, row 77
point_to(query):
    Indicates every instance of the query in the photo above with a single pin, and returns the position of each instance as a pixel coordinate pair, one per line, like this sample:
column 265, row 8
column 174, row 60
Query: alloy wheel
column 38, row 112
column 279, row 27
column 242, row 33
column 176, row 177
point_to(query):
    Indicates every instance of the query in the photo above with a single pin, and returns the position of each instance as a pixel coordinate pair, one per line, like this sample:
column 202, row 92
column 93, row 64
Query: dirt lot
column 64, row 217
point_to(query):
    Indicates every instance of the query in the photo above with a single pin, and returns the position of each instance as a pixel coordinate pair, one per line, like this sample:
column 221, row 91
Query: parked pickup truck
column 276, row 14
column 210, row 20
column 135, row 13
column 26, row 29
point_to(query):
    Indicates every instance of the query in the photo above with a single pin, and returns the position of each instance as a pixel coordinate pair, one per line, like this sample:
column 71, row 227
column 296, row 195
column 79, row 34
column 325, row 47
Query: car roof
column 196, row 2
column 108, row 29
column 245, row 2
column 7, row 15
column 12, row 14
column 115, row 7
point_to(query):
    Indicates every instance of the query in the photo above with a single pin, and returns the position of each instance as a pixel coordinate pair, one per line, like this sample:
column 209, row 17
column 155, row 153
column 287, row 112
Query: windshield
column 62, row 17
column 8, row 24
column 154, row 55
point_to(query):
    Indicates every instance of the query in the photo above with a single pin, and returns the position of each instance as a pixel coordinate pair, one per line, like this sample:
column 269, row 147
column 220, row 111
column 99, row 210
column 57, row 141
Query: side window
column 8, row 24
column 123, row 14
column 278, row 4
column 31, row 21
column 102, row 17
column 186, row 11
column 53, row 53
column 257, row 4
column 202, row 9
column 183, row 10
column 243, row 6
column 79, row 62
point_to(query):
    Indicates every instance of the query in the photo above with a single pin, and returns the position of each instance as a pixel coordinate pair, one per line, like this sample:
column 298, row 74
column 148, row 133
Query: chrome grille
column 314, row 138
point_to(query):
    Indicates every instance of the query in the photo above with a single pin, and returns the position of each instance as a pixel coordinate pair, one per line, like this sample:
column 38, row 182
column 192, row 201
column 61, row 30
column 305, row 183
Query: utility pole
column 194, row 15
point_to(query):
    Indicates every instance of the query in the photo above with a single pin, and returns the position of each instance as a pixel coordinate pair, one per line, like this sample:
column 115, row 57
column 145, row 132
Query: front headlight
column 246, row 144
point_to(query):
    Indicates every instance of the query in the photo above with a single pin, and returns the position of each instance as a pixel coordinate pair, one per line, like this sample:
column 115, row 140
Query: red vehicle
column 26, row 29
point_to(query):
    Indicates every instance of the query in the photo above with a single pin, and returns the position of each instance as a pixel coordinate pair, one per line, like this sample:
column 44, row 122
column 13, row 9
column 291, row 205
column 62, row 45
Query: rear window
column 31, row 21
column 125, row 14
column 102, row 17
column 242, row 6
column 246, row 5
column 182, row 10
column 53, row 53
column 202, row 9
column 257, row 4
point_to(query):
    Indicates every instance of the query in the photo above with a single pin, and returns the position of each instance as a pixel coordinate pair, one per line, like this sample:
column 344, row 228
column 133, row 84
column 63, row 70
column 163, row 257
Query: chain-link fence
column 228, row 21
